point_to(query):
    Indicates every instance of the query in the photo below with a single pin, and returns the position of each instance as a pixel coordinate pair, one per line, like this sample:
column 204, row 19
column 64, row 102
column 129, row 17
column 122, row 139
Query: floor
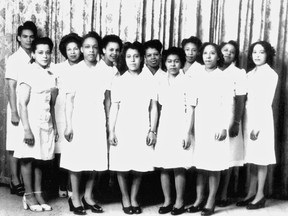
column 11, row 205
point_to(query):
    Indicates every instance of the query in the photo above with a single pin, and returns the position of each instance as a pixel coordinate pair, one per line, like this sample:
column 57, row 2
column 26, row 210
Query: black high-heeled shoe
column 19, row 189
column 94, row 208
column 245, row 202
column 258, row 205
column 208, row 211
column 76, row 210
column 194, row 209
column 178, row 211
column 136, row 209
column 165, row 209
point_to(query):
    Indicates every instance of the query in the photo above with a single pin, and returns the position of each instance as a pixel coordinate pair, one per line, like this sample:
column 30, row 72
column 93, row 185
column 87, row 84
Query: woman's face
column 73, row 52
column 42, row 55
column 90, row 49
column 173, row 64
column 210, row 57
column 191, row 51
column 26, row 39
column 259, row 55
column 228, row 52
column 133, row 60
column 112, row 51
column 152, row 57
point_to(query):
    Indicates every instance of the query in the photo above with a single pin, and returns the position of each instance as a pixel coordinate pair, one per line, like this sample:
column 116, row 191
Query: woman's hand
column 220, row 136
column 68, row 134
column 151, row 138
column 187, row 141
column 15, row 118
column 56, row 135
column 112, row 139
column 29, row 138
column 254, row 134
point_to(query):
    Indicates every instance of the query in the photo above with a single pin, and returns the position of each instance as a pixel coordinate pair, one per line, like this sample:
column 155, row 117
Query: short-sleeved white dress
column 261, row 88
column 173, row 123
column 211, row 116
column 41, row 81
column 88, row 149
column 133, row 93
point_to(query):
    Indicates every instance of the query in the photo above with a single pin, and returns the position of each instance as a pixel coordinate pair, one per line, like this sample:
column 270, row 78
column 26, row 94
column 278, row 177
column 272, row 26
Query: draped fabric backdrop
column 245, row 21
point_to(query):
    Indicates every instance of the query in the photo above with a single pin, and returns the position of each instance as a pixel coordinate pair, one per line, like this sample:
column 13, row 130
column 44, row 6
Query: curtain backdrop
column 245, row 21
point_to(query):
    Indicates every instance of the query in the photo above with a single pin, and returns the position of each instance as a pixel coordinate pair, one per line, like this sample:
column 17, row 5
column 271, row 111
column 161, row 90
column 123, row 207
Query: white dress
column 133, row 93
column 262, row 84
column 193, row 69
column 213, row 105
column 41, row 82
column 173, row 123
column 88, row 149
column 14, row 68
column 237, row 77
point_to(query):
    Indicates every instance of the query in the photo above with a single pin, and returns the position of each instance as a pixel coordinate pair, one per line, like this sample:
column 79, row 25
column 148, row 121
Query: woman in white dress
column 259, row 123
column 237, row 77
column 85, row 125
column 211, row 125
column 25, row 35
column 172, row 149
column 131, row 94
column 36, row 103
column 70, row 48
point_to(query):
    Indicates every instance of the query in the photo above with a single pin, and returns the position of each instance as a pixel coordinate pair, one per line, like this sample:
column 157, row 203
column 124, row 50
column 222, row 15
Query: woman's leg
column 14, row 168
column 88, row 194
column 123, row 184
column 38, row 181
column 166, row 187
column 180, row 184
column 225, row 180
column 214, row 179
column 252, row 181
column 261, row 174
column 136, row 182
column 200, row 185
column 75, row 178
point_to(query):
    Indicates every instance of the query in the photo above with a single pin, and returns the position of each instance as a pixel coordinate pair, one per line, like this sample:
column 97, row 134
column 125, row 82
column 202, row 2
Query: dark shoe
column 165, row 209
column 19, row 189
column 194, row 209
column 94, row 208
column 76, row 210
column 245, row 202
column 258, row 205
column 208, row 211
column 224, row 202
column 128, row 210
column 137, row 210
column 178, row 211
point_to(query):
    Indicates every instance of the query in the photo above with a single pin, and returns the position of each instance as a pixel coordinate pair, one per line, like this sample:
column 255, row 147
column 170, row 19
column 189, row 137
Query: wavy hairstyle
column 220, row 61
column 173, row 51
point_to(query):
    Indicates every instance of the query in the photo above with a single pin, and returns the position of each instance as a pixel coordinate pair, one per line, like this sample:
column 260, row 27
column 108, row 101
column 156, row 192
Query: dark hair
column 220, row 61
column 173, row 51
column 111, row 38
column 155, row 43
column 28, row 25
column 192, row 39
column 72, row 37
column 95, row 35
column 235, row 44
column 122, row 61
column 41, row 40
column 270, row 51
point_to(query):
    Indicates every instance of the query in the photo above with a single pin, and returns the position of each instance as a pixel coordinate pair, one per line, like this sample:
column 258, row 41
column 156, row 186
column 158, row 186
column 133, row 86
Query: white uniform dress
column 211, row 116
column 62, row 71
column 237, row 77
column 194, row 68
column 262, row 84
column 41, row 82
column 173, row 125
column 133, row 93
column 88, row 149
column 14, row 68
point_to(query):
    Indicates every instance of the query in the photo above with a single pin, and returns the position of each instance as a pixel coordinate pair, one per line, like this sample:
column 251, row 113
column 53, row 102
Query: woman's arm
column 188, row 139
column 69, row 107
column 107, row 106
column 12, row 99
column 237, row 113
column 113, row 115
column 24, row 98
column 54, row 94
column 152, row 133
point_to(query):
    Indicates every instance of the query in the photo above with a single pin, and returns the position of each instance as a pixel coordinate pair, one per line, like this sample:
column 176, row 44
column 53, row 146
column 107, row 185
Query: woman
column 237, row 77
column 130, row 95
column 191, row 47
column 172, row 149
column 70, row 48
column 85, row 125
column 25, row 35
column 211, row 124
column 36, row 102
column 259, row 125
